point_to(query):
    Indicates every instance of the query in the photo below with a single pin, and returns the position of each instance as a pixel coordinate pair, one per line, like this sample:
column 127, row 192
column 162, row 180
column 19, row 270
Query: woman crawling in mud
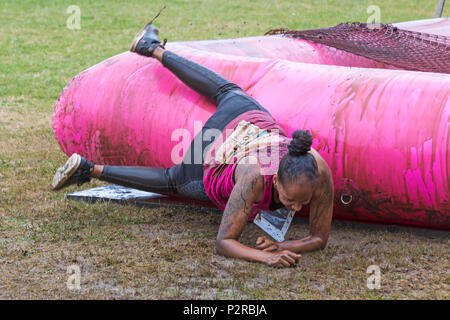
column 245, row 182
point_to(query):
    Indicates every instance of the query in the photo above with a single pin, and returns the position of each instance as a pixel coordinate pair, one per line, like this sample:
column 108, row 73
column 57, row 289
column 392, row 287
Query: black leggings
column 186, row 179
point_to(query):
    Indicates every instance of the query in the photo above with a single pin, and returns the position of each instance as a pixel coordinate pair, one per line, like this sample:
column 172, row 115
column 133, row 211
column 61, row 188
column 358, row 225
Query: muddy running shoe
column 76, row 170
column 146, row 41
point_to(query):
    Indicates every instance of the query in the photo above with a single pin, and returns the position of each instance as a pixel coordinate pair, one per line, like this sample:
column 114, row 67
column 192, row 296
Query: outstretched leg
column 78, row 170
column 197, row 77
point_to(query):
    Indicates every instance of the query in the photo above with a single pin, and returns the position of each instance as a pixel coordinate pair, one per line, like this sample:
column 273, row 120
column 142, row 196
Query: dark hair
column 298, row 161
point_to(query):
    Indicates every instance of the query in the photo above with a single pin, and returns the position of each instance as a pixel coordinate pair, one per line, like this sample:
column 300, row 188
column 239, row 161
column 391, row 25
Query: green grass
column 130, row 252
column 39, row 54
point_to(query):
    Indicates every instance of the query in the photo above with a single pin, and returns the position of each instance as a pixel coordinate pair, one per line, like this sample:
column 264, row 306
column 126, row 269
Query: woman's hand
column 266, row 244
column 282, row 259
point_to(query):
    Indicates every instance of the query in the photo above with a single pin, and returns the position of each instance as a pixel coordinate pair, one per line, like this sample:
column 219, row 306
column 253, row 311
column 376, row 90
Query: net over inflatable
column 383, row 130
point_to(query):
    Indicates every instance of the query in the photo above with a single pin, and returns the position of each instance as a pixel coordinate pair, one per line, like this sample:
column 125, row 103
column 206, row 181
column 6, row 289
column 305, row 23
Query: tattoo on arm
column 240, row 204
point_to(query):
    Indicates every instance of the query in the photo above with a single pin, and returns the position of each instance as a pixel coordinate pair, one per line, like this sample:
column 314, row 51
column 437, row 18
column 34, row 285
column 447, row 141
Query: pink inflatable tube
column 383, row 132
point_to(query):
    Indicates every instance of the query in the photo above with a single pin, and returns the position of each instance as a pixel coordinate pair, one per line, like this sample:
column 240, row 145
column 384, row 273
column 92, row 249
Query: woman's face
column 294, row 195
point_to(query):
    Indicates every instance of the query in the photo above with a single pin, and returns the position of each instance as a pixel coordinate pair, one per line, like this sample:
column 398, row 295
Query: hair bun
column 301, row 143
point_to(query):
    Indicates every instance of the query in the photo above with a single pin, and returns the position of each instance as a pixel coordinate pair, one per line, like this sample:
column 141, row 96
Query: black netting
column 383, row 43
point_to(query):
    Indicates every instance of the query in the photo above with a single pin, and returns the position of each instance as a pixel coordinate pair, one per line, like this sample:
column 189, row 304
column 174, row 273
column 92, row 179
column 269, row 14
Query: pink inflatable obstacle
column 384, row 132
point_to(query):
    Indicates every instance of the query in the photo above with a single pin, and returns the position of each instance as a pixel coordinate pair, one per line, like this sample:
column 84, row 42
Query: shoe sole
column 136, row 40
column 65, row 172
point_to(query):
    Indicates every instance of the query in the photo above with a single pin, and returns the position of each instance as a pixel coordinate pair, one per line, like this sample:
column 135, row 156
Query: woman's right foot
column 76, row 170
column 146, row 41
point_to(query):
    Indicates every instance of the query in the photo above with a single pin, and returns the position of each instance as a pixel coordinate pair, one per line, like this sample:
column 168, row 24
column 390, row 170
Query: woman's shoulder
column 248, row 173
column 322, row 165
column 248, row 167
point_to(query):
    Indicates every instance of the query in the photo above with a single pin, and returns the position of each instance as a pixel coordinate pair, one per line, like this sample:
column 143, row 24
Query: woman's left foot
column 146, row 41
column 76, row 170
